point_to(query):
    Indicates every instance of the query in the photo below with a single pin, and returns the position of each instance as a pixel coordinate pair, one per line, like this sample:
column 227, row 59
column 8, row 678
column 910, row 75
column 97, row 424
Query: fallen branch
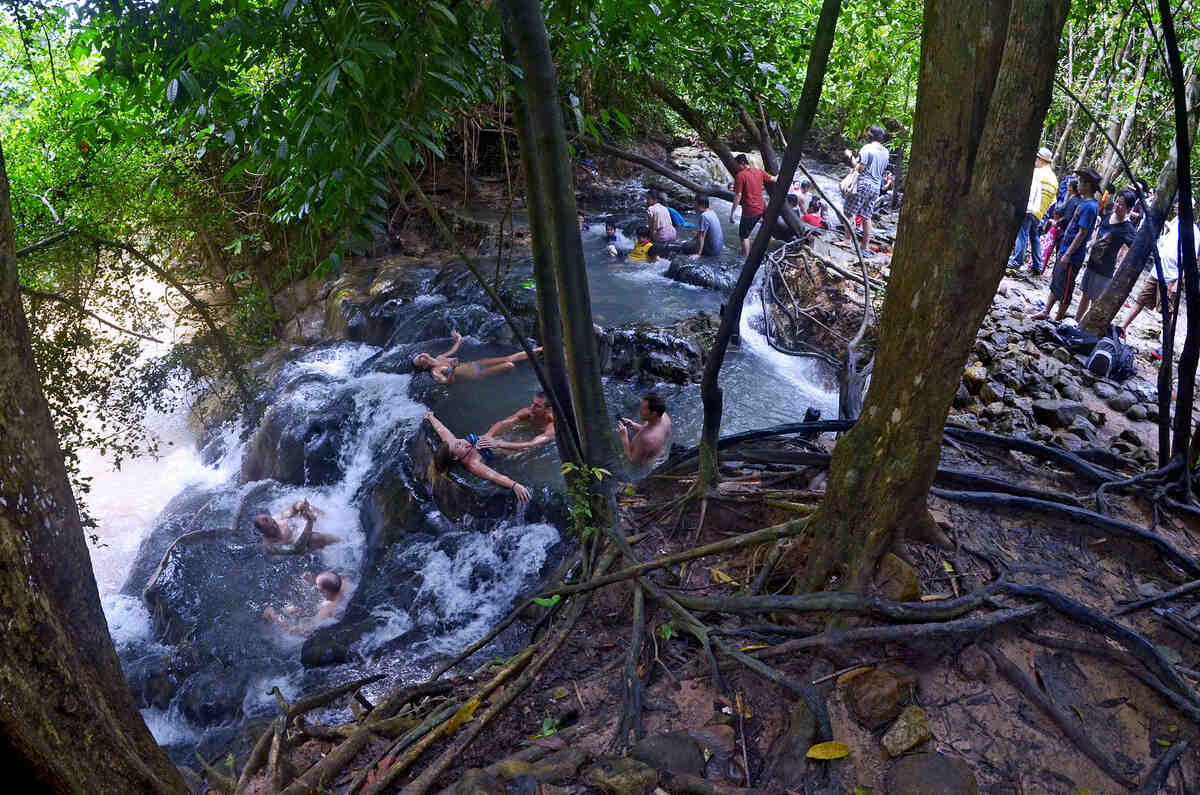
column 1080, row 517
column 321, row 699
column 1174, row 593
column 1025, row 685
column 659, row 168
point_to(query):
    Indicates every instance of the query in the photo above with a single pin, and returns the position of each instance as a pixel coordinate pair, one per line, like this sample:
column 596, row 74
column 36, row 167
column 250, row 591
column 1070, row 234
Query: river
column 420, row 601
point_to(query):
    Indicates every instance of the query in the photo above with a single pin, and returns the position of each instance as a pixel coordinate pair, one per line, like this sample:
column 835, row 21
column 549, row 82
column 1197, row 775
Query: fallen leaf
column 830, row 750
column 1164, row 743
column 846, row 677
column 935, row 597
column 722, row 577
column 948, row 567
column 755, row 647
column 464, row 715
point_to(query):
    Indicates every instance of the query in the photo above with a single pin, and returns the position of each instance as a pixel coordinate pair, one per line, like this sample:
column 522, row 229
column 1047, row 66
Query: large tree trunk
column 1060, row 149
column 1112, row 165
column 968, row 185
column 527, row 30
column 1102, row 313
column 68, row 717
column 810, row 98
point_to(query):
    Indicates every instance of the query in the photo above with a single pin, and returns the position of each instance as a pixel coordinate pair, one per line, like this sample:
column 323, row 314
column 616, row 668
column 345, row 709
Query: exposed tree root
column 1174, row 593
column 1157, row 778
column 630, row 729
column 1071, row 728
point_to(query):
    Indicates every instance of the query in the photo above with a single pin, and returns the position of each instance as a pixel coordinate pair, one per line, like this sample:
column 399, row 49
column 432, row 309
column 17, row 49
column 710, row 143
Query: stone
column 1152, row 412
column 675, row 751
column 1137, row 412
column 1062, row 354
column 478, row 782
column 975, row 664
column 896, row 580
column 910, row 730
column 1057, row 413
column 1071, row 391
column 1049, row 367
column 560, row 766
column 991, row 391
column 298, row 443
column 1122, row 401
column 962, row 396
column 995, row 410
column 874, row 697
column 710, row 275
column 790, row 749
column 1105, row 390
column 1083, row 429
column 975, row 377
column 621, row 777
column 213, row 695
column 1130, row 435
column 931, row 774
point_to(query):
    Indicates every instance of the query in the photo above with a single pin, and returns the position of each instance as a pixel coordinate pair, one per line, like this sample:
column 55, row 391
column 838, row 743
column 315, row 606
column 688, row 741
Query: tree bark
column 528, row 33
column 968, row 185
column 810, row 97
column 1102, row 313
column 697, row 122
column 1112, row 165
column 762, row 135
column 68, row 718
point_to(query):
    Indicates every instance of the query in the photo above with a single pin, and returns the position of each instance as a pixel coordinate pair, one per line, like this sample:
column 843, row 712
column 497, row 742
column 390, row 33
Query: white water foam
column 169, row 727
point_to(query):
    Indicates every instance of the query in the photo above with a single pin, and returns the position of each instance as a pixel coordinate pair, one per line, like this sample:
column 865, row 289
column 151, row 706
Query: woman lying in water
column 445, row 367
column 452, row 449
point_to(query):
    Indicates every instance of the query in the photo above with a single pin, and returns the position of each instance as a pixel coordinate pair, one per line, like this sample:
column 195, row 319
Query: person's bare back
column 650, row 436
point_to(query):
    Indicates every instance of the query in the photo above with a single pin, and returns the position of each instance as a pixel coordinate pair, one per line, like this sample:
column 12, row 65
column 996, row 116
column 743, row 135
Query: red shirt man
column 748, row 192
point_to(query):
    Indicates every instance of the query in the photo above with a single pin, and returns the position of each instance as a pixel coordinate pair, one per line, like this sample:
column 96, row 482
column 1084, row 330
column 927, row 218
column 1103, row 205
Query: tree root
column 905, row 634
column 1157, row 778
column 1025, row 685
column 1157, row 476
column 305, row 705
column 1063, row 458
column 432, row 721
column 1080, row 516
column 1174, row 593
column 257, row 757
column 630, row 729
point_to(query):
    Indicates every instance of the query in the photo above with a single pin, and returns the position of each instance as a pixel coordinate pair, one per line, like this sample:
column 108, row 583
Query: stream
column 339, row 429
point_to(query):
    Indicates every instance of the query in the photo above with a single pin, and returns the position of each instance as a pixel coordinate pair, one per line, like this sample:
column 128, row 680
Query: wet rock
column 151, row 680
column 910, row 730
column 931, row 774
column 675, row 751
column 649, row 353
column 457, row 493
column 710, row 275
column 1137, row 412
column 298, row 443
column 1122, row 401
column 621, row 777
column 478, row 782
column 874, row 697
column 991, row 392
column 391, row 504
column 1105, row 390
column 1057, row 413
column 975, row 377
column 790, row 749
column 896, row 580
column 213, row 695
column 332, row 645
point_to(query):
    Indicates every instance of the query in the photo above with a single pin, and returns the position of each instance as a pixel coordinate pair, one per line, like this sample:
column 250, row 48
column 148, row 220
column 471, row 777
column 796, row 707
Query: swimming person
column 279, row 532
column 333, row 593
column 454, row 450
column 445, row 367
column 651, row 435
column 537, row 415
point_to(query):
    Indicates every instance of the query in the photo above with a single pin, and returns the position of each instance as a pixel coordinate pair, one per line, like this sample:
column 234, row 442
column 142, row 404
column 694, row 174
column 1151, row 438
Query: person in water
column 454, row 450
column 333, row 593
column 445, row 367
column 651, row 435
column 279, row 532
column 537, row 415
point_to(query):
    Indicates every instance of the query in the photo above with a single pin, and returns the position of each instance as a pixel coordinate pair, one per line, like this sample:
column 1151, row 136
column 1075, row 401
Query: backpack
column 1076, row 340
column 1111, row 358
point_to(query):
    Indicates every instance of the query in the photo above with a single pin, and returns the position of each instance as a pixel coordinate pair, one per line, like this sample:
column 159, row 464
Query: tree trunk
column 528, row 33
column 1112, row 165
column 968, row 185
column 697, row 122
column 810, row 97
column 69, row 720
column 1102, row 313
column 759, row 132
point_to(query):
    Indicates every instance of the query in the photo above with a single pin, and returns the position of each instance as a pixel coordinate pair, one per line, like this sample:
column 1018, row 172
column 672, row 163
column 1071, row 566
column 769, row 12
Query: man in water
column 537, row 415
column 710, row 238
column 280, row 536
column 650, row 436
column 333, row 593
column 662, row 229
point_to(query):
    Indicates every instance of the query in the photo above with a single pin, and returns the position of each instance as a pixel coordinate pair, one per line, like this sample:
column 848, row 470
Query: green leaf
column 355, row 71
column 453, row 20
column 547, row 601
column 172, row 91
column 281, row 152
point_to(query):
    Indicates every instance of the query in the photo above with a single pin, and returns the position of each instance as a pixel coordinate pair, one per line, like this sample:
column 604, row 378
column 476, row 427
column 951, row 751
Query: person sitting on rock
column 454, row 450
column 333, row 593
column 445, row 367
column 650, row 436
column 279, row 532
column 537, row 415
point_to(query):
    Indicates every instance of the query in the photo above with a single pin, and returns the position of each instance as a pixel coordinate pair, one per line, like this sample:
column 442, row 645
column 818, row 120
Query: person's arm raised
column 457, row 342
column 442, row 431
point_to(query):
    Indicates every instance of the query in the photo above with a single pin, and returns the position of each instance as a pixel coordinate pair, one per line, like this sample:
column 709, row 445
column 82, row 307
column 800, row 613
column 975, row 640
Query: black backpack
column 1076, row 340
column 1111, row 358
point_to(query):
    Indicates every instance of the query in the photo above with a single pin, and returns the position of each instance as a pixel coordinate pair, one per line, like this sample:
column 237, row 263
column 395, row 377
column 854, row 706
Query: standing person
column 1074, row 246
column 871, row 163
column 748, row 193
column 710, row 238
column 661, row 228
column 1041, row 196
column 1114, row 234
column 1062, row 212
column 1168, row 255
column 650, row 435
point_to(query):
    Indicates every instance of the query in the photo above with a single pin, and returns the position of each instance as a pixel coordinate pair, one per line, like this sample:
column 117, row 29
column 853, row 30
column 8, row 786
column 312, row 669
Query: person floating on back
column 445, row 367
column 748, row 185
column 650, row 436
column 280, row 536
column 453, row 450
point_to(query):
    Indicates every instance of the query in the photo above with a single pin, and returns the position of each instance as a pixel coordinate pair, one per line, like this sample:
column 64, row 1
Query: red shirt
column 749, row 182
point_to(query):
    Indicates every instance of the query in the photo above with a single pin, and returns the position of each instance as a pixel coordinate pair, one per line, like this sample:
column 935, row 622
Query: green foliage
column 665, row 631
column 581, row 481
column 549, row 727
column 547, row 601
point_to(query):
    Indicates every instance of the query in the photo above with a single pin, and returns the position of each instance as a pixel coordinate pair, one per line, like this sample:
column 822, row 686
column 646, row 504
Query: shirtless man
column 279, row 532
column 537, row 415
column 650, row 437
column 445, row 367
column 333, row 593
